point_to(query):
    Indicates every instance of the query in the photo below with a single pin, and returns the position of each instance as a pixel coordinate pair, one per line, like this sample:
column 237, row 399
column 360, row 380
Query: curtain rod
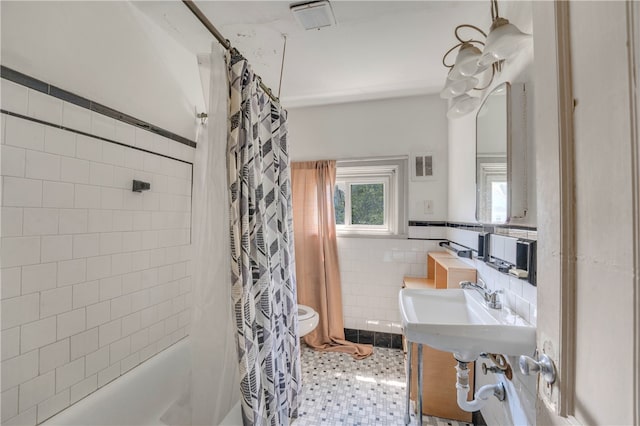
column 223, row 41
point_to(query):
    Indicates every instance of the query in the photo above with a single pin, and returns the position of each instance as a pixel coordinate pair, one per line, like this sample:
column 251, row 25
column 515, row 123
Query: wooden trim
column 567, row 213
column 633, row 24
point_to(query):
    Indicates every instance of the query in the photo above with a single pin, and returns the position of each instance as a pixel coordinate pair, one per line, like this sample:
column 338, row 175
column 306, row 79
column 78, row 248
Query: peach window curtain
column 316, row 254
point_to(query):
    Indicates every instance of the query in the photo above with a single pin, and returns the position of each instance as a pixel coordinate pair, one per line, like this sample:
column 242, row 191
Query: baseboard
column 375, row 338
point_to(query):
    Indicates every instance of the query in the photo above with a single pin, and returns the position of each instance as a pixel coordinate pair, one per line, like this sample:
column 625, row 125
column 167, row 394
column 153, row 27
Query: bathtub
column 139, row 397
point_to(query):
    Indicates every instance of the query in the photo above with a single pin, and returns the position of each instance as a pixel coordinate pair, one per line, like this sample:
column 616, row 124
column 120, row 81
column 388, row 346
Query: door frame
column 567, row 217
column 565, row 353
column 633, row 28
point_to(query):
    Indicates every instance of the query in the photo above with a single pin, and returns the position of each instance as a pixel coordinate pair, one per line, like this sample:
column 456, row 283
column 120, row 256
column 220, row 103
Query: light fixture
column 313, row 15
column 453, row 88
column 466, row 64
column 502, row 43
column 462, row 105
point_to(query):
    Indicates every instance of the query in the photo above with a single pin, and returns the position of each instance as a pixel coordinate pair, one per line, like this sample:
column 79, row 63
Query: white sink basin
column 458, row 321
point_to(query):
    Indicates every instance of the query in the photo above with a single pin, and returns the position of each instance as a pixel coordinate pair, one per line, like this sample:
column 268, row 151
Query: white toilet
column 307, row 319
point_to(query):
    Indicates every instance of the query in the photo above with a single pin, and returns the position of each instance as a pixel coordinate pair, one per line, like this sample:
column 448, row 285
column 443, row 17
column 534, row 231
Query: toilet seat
column 304, row 312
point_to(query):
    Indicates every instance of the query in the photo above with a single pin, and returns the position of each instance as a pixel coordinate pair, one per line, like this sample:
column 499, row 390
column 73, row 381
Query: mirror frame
column 508, row 111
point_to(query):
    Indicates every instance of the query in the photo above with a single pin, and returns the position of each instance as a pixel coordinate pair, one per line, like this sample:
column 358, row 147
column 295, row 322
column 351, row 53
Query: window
column 369, row 197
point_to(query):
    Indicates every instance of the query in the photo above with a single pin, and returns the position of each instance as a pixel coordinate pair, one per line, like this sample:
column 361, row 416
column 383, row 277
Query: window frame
column 392, row 174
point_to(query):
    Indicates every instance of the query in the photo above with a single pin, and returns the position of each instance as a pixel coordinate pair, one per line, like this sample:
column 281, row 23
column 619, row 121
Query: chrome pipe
column 419, row 384
column 407, row 414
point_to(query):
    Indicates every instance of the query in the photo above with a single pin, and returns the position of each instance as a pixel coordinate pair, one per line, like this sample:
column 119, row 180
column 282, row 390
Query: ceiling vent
column 314, row 15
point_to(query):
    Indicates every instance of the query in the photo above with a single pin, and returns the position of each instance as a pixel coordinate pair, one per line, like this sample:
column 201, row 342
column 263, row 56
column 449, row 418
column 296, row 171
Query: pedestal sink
column 458, row 321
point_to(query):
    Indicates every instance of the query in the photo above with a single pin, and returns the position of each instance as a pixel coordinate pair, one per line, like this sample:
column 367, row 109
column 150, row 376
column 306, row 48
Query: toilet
column 307, row 320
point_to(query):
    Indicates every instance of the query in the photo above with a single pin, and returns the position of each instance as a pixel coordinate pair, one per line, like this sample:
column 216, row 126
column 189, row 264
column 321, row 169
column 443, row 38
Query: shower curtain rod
column 223, row 41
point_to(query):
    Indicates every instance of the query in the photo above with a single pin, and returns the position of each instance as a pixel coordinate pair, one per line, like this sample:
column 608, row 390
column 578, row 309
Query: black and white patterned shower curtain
column 262, row 254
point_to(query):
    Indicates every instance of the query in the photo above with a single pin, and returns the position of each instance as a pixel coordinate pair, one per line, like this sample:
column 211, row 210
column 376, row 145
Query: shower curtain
column 262, row 255
column 214, row 385
column 317, row 255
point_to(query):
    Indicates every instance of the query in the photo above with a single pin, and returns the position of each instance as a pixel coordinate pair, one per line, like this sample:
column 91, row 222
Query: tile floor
column 338, row 390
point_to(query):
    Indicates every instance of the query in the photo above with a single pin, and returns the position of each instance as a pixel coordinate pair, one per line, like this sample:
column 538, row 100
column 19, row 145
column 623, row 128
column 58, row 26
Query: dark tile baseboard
column 375, row 338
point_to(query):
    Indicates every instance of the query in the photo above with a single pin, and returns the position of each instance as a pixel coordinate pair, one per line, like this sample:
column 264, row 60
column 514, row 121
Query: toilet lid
column 305, row 312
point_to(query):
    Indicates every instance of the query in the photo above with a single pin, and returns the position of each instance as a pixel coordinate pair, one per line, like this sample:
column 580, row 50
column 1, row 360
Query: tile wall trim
column 376, row 338
column 56, row 92
column 91, row 135
column 426, row 223
column 478, row 227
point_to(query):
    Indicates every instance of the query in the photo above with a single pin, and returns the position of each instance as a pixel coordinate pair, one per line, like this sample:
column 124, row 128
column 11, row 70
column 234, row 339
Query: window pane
column 339, row 202
column 367, row 204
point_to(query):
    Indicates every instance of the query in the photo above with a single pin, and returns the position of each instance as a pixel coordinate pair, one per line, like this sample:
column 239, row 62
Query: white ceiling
column 378, row 49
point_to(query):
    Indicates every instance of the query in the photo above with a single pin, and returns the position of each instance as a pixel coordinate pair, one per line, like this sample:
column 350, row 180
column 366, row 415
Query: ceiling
column 378, row 49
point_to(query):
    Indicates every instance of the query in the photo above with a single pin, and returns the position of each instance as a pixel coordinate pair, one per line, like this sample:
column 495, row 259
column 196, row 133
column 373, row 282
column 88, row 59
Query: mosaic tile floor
column 338, row 390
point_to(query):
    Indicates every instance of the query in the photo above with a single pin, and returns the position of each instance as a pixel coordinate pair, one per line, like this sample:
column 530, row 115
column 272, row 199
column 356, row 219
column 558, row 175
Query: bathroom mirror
column 500, row 162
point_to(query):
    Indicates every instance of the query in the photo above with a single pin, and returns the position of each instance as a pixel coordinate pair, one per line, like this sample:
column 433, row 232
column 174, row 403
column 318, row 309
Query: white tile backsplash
column 12, row 218
column 84, row 343
column 71, row 323
column 14, row 98
column 20, row 310
column 13, row 161
column 54, row 355
column 69, row 374
column 10, row 282
column 74, row 170
column 37, row 334
column 72, row 271
column 9, row 404
column 58, row 141
column 57, row 301
column 520, row 297
column 40, row 221
column 24, row 133
column 53, row 405
column 89, row 148
column 40, row 165
column 74, row 312
column 83, row 388
column 372, row 271
column 10, row 343
column 19, row 192
column 44, row 107
column 75, row 117
column 103, row 126
column 36, row 390
column 19, row 369
column 57, row 194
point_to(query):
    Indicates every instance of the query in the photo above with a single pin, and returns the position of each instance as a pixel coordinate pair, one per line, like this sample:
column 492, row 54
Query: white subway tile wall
column 519, row 295
column 372, row 272
column 95, row 278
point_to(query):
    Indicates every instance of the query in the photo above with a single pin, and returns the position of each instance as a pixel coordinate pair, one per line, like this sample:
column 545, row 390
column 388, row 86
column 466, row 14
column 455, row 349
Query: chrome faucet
column 492, row 298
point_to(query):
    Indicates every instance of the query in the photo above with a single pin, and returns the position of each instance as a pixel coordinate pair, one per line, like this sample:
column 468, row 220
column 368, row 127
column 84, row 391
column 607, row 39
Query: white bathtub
column 139, row 397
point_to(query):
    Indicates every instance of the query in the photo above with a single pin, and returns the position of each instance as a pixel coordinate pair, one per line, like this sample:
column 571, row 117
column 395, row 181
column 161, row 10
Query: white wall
column 108, row 52
column 372, row 269
column 95, row 278
column 519, row 296
column 604, row 177
column 462, row 131
column 387, row 127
